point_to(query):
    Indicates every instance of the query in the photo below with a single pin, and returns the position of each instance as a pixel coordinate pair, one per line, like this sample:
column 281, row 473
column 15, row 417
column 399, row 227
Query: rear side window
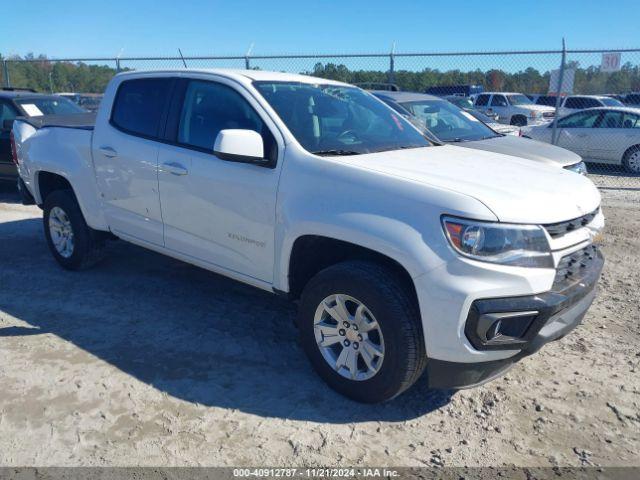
column 482, row 100
column 140, row 104
column 498, row 101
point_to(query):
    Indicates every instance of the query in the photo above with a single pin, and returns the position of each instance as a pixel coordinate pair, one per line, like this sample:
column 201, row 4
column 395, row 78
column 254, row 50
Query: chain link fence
column 561, row 81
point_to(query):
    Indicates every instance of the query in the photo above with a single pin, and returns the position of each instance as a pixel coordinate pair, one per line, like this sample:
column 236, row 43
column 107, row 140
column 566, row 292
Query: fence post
column 117, row 64
column 5, row 73
column 391, row 78
column 554, row 133
column 247, row 64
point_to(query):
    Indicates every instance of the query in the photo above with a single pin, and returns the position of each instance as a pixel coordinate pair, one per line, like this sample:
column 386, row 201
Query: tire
column 86, row 246
column 519, row 121
column 631, row 160
column 387, row 300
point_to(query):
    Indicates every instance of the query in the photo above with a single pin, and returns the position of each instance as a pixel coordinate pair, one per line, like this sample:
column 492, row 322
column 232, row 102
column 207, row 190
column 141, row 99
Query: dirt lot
column 147, row 360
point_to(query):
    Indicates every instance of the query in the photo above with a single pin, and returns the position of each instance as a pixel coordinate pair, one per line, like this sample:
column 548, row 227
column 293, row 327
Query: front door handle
column 581, row 135
column 174, row 168
column 108, row 152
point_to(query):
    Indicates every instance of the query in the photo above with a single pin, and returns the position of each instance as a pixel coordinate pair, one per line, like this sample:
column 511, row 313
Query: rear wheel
column 72, row 242
column 631, row 160
column 360, row 327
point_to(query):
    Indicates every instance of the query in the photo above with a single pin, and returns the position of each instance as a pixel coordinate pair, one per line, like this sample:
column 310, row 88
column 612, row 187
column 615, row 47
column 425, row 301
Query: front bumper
column 551, row 316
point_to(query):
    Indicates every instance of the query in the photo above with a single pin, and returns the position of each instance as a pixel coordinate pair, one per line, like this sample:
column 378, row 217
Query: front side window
column 36, row 106
column 210, row 107
column 339, row 120
column 482, row 100
column 579, row 120
column 498, row 101
column 519, row 99
column 140, row 104
column 448, row 122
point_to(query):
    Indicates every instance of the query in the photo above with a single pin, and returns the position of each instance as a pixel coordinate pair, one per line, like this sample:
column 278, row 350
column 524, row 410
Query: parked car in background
column 574, row 103
column 513, row 108
column 462, row 90
column 600, row 135
column 632, row 99
column 404, row 256
column 447, row 123
column 90, row 101
column 547, row 100
column 16, row 102
column 466, row 104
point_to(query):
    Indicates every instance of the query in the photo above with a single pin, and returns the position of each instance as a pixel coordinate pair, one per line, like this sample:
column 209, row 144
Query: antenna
column 182, row 57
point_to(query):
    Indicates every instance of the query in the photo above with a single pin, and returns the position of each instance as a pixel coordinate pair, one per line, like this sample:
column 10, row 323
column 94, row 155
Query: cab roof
column 241, row 75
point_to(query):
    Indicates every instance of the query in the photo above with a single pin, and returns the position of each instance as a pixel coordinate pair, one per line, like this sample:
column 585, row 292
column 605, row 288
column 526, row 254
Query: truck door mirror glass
column 236, row 145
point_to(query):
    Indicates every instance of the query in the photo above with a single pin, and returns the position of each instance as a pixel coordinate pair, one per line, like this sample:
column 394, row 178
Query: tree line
column 44, row 75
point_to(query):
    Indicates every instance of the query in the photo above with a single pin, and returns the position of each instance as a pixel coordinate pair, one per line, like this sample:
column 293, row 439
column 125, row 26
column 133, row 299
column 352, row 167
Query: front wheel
column 360, row 327
column 72, row 242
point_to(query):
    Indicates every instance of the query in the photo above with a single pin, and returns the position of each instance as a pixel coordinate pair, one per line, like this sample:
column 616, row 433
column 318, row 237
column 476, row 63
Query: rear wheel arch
column 48, row 182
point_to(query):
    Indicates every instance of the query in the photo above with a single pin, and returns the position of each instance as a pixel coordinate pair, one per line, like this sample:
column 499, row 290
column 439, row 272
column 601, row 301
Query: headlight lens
column 579, row 167
column 505, row 244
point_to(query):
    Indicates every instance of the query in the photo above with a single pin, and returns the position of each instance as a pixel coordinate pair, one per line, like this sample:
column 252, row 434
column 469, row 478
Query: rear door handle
column 108, row 152
column 174, row 168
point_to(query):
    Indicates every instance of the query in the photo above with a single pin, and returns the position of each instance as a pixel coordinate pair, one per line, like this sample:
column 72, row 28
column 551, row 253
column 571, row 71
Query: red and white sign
column 610, row 62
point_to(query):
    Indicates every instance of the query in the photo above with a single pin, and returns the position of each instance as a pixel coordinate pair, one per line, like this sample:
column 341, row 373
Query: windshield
column 447, row 122
column 612, row 102
column 462, row 102
column 36, row 106
column 519, row 100
column 339, row 120
column 481, row 116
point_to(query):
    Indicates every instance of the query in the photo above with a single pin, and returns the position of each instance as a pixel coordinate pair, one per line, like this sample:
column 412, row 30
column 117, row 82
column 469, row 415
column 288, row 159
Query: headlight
column 506, row 244
column 579, row 167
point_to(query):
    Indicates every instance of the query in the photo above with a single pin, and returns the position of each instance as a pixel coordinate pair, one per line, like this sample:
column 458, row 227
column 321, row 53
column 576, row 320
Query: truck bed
column 81, row 121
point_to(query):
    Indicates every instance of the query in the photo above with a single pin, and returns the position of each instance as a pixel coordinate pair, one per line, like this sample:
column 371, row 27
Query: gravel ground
column 145, row 360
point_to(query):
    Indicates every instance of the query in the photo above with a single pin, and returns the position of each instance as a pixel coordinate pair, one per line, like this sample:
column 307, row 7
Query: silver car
column 600, row 135
column 446, row 123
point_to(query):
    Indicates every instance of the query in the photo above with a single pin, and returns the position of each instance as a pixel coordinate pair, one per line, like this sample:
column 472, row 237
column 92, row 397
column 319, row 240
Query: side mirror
column 7, row 125
column 244, row 146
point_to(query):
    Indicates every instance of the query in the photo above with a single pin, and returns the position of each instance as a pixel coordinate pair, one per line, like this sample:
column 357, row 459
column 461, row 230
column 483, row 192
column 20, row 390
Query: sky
column 86, row 28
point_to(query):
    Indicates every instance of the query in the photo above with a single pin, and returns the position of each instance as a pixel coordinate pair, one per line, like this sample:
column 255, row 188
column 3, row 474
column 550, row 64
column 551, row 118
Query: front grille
column 548, row 114
column 574, row 267
column 562, row 228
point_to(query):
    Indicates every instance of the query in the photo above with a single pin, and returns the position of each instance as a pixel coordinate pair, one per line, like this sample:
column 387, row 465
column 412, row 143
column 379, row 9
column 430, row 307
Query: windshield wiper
column 336, row 152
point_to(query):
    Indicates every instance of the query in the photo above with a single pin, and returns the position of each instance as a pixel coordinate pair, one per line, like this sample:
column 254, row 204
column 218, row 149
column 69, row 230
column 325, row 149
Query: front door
column 575, row 132
column 217, row 211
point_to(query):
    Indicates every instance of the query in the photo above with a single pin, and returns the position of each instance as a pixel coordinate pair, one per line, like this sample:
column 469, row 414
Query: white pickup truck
column 404, row 255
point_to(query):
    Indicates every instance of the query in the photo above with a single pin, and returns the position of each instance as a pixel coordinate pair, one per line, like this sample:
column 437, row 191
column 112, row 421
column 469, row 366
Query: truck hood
column 526, row 148
column 516, row 190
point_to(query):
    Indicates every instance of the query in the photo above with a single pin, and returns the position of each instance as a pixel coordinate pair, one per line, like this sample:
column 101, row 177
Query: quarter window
column 140, row 104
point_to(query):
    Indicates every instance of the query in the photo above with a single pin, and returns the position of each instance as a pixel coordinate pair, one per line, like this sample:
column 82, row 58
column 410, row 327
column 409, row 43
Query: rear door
column 7, row 112
column 500, row 107
column 125, row 154
column 220, row 212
